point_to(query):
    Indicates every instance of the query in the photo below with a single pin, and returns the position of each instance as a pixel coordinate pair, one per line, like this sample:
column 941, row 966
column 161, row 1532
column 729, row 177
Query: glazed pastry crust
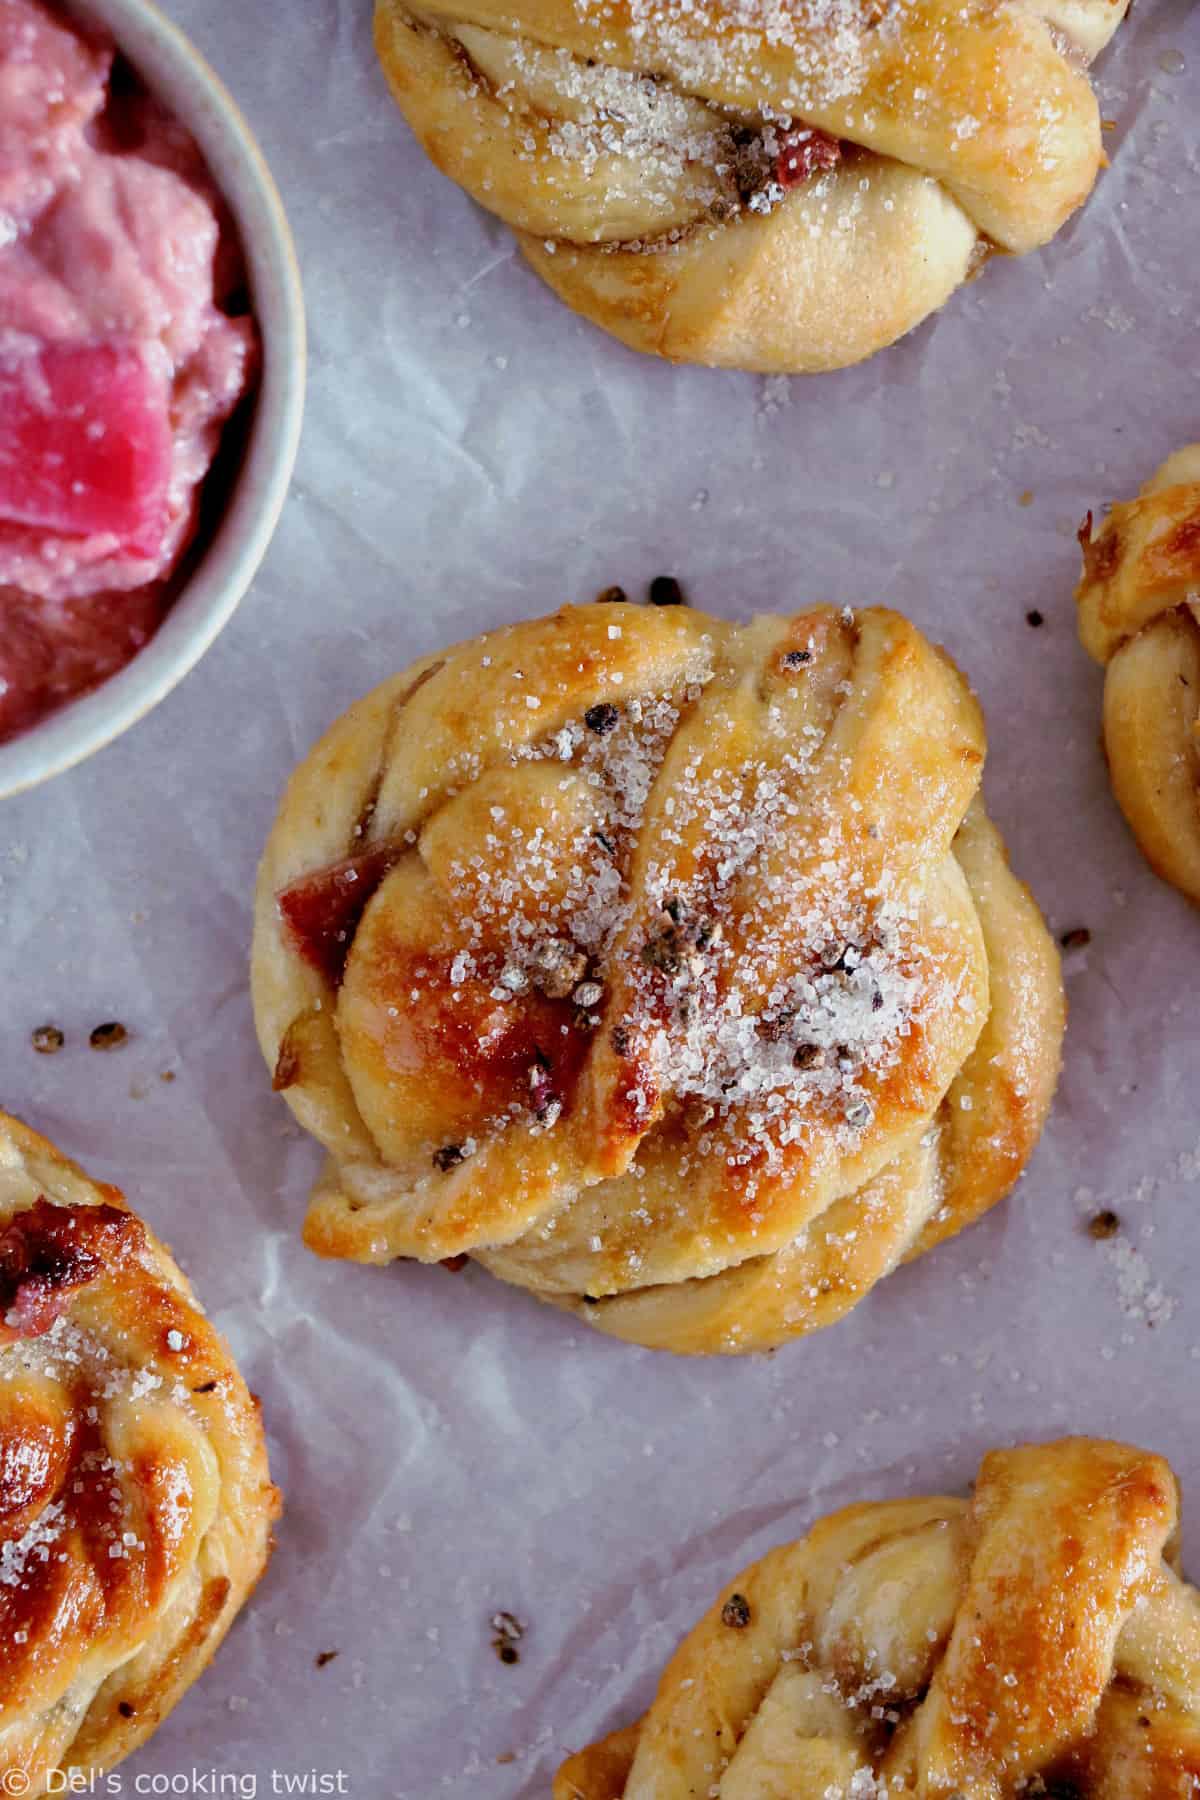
column 813, row 1022
column 136, row 1497
column 1139, row 615
column 611, row 137
column 1035, row 1639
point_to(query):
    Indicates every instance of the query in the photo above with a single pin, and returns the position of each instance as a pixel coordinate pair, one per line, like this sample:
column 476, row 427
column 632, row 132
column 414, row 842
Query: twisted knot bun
column 1035, row 1640
column 135, row 1505
column 668, row 967
column 1139, row 615
column 783, row 188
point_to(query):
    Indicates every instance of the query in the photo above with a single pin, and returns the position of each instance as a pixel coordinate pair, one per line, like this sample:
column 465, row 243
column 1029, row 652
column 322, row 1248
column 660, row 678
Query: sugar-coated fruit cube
column 85, row 443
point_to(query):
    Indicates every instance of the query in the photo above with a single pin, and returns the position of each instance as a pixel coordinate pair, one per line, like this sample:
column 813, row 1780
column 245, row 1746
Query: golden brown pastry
column 1139, row 614
column 777, row 187
column 135, row 1501
column 670, row 968
column 1035, row 1640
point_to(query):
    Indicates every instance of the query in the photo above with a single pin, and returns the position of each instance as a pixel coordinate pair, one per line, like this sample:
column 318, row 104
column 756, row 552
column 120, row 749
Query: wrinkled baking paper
column 448, row 1449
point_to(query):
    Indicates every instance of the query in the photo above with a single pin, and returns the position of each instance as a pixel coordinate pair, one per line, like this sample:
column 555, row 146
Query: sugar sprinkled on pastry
column 1035, row 1640
column 136, row 1504
column 781, row 187
column 1139, row 615
column 670, row 968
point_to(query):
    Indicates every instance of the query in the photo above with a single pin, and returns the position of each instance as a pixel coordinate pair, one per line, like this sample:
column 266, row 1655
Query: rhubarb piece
column 803, row 153
column 85, row 443
column 47, row 1253
column 322, row 910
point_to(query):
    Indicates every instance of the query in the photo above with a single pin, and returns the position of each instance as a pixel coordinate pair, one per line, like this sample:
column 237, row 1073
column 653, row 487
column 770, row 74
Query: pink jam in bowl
column 125, row 345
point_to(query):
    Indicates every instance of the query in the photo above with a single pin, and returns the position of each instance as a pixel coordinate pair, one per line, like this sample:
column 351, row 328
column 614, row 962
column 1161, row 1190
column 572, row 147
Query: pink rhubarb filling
column 122, row 354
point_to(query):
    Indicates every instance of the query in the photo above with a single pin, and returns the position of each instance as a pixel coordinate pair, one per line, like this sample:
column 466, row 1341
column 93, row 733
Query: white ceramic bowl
column 179, row 76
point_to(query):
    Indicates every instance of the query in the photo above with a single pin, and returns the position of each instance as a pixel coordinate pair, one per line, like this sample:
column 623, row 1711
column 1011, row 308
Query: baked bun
column 668, row 967
column 782, row 188
column 136, row 1503
column 1035, row 1640
column 1139, row 615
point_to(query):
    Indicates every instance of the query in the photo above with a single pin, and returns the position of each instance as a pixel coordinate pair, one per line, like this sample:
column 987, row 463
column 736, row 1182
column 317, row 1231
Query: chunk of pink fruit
column 85, row 443
column 804, row 152
column 322, row 910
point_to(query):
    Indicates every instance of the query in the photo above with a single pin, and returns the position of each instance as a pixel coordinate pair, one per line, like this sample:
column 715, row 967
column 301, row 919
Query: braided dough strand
column 640, row 152
column 1139, row 615
column 971, row 1155
column 136, row 1499
column 939, row 1648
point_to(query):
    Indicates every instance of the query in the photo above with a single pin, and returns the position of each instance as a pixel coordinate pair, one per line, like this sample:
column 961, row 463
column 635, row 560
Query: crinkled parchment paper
column 474, row 452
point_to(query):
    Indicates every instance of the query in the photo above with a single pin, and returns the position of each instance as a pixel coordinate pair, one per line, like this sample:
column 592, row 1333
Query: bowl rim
column 174, row 68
